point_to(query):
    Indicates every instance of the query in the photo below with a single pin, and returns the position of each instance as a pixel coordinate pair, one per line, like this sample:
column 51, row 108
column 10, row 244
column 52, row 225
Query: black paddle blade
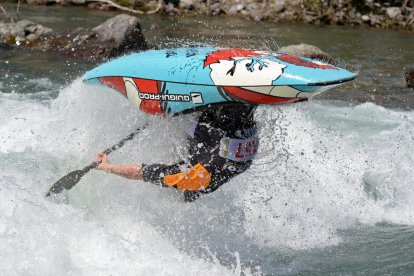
column 71, row 179
column 66, row 182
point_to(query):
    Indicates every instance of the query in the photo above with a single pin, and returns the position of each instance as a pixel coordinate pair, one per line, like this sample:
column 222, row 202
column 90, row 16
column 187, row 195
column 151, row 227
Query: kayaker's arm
column 194, row 179
column 130, row 171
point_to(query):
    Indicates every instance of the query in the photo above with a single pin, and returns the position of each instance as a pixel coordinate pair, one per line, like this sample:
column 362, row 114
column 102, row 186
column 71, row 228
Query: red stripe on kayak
column 146, row 86
column 149, row 106
column 116, row 83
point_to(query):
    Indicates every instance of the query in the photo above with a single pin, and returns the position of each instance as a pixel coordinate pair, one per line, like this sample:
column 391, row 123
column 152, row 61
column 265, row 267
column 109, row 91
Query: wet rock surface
column 22, row 32
column 117, row 36
column 123, row 32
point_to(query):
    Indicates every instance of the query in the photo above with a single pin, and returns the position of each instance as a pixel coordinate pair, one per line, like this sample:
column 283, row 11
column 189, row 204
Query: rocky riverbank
column 117, row 36
column 375, row 13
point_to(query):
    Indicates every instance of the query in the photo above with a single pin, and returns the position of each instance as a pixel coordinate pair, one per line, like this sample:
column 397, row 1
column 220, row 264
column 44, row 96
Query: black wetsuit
column 224, row 142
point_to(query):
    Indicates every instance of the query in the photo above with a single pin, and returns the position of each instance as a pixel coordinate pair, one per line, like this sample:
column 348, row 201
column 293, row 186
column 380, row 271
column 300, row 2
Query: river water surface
column 331, row 191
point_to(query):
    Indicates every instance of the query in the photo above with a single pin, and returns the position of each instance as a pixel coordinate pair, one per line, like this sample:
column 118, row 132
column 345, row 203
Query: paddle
column 71, row 179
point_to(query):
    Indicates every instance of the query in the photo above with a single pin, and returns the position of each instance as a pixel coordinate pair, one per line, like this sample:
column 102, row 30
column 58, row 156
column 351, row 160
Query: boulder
column 306, row 50
column 125, row 30
column 393, row 12
column 116, row 28
column 409, row 77
column 117, row 36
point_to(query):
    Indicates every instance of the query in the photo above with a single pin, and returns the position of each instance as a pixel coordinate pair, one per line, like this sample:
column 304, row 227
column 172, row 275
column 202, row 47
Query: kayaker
column 221, row 145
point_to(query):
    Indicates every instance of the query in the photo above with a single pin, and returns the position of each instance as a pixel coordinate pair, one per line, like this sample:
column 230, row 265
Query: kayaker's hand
column 103, row 161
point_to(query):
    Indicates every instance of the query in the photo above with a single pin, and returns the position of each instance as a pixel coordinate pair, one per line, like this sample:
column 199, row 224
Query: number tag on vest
column 239, row 150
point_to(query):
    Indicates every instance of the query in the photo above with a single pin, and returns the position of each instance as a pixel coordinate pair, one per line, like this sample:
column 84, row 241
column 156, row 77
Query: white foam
column 104, row 229
column 318, row 184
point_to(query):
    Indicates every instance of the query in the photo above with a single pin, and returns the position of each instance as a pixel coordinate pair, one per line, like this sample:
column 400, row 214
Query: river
column 331, row 190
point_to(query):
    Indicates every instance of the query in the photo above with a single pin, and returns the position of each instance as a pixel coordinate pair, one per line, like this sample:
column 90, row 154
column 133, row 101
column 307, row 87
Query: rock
column 254, row 11
column 279, row 6
column 256, row 15
column 339, row 18
column 31, row 37
column 23, row 26
column 116, row 27
column 23, row 31
column 393, row 12
column 117, row 36
column 245, row 12
column 175, row 3
column 215, row 9
column 252, row 7
column 78, row 2
column 31, row 28
column 125, row 30
column 306, row 50
column 51, row 2
column 186, row 4
column 64, row 2
column 409, row 77
column 365, row 18
column 170, row 9
column 308, row 18
column 232, row 11
column 240, row 7
column 99, row 6
column 375, row 20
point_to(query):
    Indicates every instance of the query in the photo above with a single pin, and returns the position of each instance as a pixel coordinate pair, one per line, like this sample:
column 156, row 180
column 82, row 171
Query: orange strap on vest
column 197, row 178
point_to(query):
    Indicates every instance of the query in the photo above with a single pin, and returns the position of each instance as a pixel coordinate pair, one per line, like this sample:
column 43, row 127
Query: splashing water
column 323, row 168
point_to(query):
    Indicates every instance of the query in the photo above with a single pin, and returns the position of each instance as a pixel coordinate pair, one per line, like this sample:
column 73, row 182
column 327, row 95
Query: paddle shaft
column 115, row 147
column 71, row 179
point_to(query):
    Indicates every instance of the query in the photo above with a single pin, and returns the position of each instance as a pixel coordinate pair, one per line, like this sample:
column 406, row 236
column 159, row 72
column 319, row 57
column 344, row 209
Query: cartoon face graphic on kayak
column 235, row 66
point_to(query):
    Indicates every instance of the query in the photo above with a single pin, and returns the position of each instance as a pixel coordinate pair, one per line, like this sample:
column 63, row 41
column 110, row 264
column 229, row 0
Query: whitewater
column 325, row 171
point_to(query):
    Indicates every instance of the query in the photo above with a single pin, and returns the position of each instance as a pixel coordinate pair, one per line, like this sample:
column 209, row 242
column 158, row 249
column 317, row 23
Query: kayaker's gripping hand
column 130, row 171
column 103, row 161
